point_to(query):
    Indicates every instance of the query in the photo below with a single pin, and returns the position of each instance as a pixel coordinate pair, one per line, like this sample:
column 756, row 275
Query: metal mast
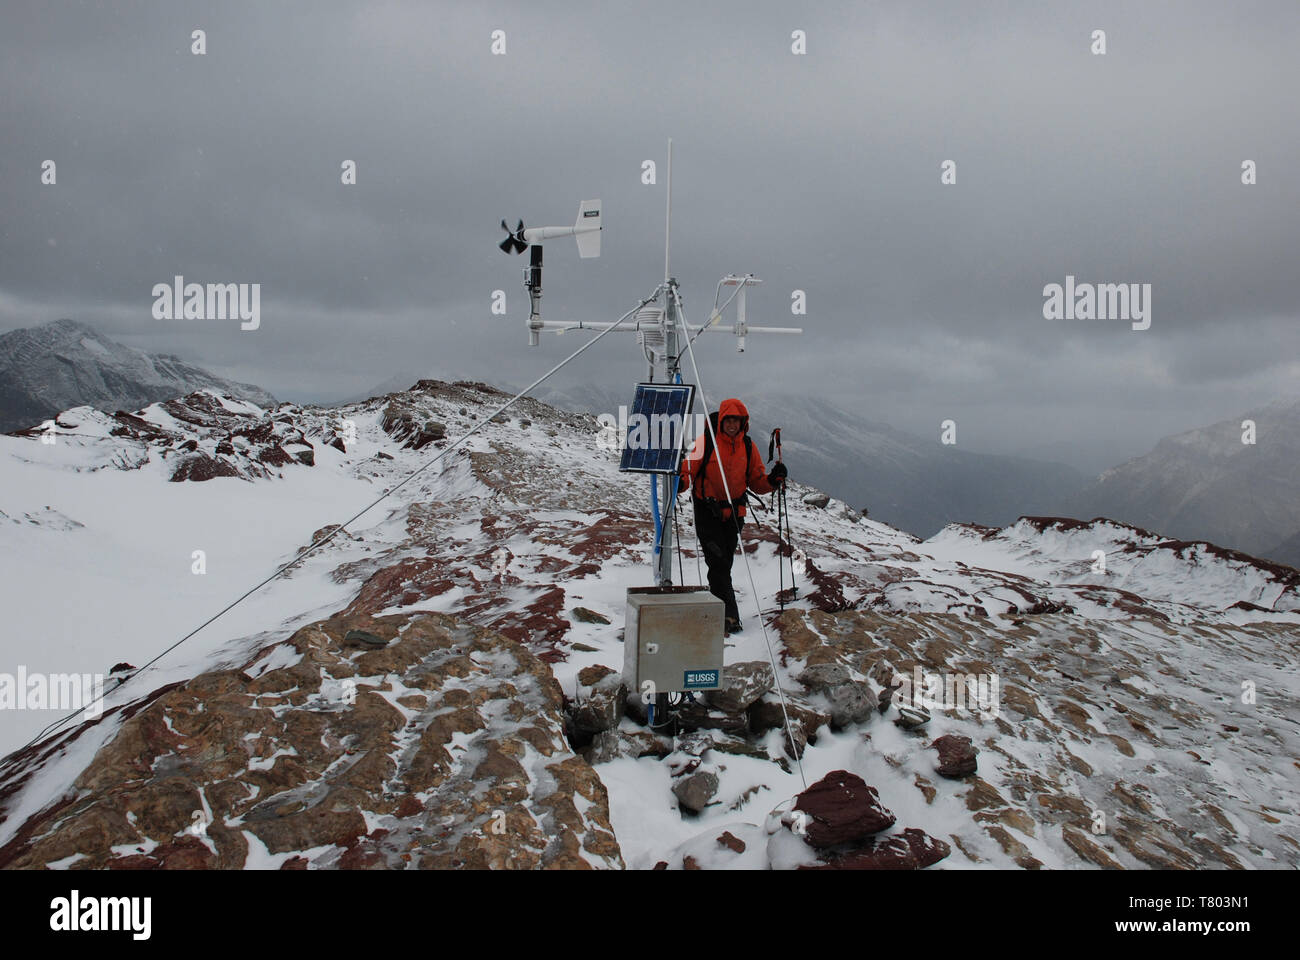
column 668, row 481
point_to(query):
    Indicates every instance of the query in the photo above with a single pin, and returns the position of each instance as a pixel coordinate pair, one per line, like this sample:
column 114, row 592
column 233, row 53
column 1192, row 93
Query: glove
column 778, row 474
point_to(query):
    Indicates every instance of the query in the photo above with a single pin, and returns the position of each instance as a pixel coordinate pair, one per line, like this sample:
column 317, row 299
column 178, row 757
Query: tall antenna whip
column 668, row 220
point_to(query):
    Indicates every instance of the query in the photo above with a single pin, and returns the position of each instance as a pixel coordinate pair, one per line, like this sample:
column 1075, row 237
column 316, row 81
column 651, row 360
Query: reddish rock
column 956, row 756
column 928, row 850
column 912, row 849
column 732, row 842
column 892, row 853
column 200, row 466
column 274, row 456
column 842, row 809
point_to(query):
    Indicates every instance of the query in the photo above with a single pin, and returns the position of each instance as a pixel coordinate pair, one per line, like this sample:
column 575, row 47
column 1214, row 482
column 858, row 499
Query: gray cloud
column 818, row 173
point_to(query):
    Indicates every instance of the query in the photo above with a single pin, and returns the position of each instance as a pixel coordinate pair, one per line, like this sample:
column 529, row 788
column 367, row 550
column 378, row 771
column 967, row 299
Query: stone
column 910, row 718
column 841, row 808
column 926, row 788
column 983, row 794
column 600, row 700
column 890, row 853
column 699, row 716
column 766, row 714
column 928, row 850
column 363, row 639
column 742, row 684
column 823, row 676
column 732, row 842
column 849, row 705
column 913, row 849
column 847, row 700
column 611, row 744
column 694, row 792
column 199, row 467
column 696, row 743
column 816, row 499
column 583, row 615
column 956, row 756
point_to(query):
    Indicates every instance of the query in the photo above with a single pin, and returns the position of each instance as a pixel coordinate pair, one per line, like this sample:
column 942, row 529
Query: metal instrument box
column 673, row 637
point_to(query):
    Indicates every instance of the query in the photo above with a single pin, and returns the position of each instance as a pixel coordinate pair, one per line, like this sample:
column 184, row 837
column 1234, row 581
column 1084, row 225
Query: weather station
column 673, row 634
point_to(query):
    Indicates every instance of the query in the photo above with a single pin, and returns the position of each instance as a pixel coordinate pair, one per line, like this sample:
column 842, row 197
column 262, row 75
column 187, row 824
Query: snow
column 96, row 566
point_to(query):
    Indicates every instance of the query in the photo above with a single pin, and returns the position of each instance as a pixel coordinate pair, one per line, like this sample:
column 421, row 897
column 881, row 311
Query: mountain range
column 64, row 364
column 1235, row 483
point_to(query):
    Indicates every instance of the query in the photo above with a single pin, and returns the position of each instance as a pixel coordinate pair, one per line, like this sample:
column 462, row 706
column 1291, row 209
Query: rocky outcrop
column 404, row 422
column 441, row 748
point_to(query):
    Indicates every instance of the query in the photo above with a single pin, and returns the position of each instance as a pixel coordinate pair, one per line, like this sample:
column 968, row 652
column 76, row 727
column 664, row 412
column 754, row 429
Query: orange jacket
column 731, row 454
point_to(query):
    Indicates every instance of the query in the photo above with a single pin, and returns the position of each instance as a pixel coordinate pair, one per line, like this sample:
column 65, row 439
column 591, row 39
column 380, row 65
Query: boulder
column 849, row 704
column 816, row 499
column 890, row 853
column 823, row 676
column 848, row 701
column 600, row 699
column 742, row 684
column 956, row 756
column 928, row 850
column 611, row 744
column 841, row 808
column 698, row 715
column 805, row 720
column 694, row 792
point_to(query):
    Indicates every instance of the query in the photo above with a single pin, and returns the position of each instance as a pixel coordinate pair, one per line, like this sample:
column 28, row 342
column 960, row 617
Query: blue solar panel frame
column 662, row 405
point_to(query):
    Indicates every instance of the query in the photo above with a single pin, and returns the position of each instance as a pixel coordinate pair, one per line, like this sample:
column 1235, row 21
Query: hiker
column 718, row 522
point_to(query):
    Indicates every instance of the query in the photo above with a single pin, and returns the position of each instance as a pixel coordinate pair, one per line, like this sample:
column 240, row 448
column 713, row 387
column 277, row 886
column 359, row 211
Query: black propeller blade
column 513, row 243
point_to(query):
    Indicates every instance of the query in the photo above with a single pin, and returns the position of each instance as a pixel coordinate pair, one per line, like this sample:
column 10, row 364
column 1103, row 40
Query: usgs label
column 700, row 678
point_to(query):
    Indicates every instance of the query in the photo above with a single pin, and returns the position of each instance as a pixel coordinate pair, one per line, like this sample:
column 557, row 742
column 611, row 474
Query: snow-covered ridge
column 530, row 531
column 1084, row 558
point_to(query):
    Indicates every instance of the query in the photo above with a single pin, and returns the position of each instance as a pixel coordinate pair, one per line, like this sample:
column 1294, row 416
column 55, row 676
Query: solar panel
column 656, row 426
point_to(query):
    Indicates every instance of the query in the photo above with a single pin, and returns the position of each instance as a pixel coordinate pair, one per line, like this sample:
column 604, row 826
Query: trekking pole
column 774, row 449
column 785, row 509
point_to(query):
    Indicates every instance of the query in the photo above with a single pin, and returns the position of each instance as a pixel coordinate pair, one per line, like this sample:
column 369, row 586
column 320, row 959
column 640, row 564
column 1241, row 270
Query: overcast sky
column 818, row 172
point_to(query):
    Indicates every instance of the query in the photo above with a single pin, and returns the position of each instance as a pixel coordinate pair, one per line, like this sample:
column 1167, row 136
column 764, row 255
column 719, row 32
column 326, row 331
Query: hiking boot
column 733, row 626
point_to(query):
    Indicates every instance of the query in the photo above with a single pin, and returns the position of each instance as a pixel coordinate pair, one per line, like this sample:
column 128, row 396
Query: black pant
column 718, row 539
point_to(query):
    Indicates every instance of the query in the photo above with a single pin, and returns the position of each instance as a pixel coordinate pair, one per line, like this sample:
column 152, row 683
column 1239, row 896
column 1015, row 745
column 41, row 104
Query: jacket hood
column 734, row 408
